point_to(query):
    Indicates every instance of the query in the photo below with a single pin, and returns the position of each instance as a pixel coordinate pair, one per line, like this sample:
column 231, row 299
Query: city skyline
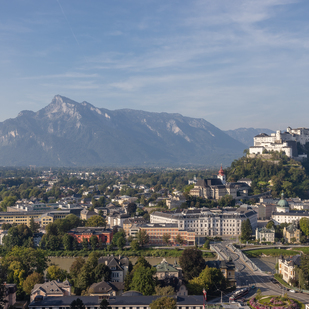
column 240, row 64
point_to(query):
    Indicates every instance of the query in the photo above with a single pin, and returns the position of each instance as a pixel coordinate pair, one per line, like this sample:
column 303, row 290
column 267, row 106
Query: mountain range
column 67, row 133
column 245, row 135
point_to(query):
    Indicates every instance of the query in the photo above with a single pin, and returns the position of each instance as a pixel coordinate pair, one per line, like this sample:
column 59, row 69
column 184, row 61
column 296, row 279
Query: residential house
column 106, row 290
column 287, row 267
column 51, row 288
column 166, row 270
column 291, row 234
column 264, row 234
column 85, row 214
column 118, row 266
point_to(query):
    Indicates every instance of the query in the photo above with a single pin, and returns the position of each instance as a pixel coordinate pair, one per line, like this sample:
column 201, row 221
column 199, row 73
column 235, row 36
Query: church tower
column 221, row 175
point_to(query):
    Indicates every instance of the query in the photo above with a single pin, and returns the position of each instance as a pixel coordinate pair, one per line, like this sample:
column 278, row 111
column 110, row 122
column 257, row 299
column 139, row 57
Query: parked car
column 292, row 291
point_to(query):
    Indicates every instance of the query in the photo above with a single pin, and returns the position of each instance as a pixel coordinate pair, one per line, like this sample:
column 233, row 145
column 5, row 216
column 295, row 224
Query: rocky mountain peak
column 67, row 133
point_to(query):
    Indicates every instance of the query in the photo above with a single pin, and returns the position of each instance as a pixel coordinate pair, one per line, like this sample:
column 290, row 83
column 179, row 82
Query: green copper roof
column 165, row 267
column 283, row 202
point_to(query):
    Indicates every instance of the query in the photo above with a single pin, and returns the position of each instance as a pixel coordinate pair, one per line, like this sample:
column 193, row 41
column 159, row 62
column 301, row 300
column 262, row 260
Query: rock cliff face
column 67, row 133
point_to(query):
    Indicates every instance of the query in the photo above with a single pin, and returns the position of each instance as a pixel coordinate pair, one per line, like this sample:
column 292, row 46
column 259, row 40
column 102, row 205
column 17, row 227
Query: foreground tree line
column 25, row 267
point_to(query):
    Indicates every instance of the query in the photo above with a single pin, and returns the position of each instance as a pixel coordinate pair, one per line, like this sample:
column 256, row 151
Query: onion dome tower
column 221, row 175
column 283, row 205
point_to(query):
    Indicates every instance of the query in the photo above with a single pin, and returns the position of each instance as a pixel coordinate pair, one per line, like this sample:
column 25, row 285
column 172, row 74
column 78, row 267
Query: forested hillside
column 273, row 171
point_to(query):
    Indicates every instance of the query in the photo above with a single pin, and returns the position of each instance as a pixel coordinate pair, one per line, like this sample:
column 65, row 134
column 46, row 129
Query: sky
column 240, row 63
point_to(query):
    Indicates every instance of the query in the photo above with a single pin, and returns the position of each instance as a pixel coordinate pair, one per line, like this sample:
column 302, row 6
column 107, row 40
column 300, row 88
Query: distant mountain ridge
column 245, row 135
column 67, row 133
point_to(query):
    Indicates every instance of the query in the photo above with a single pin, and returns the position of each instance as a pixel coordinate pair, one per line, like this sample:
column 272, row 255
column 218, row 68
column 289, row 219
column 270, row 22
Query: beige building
column 25, row 217
column 287, row 267
column 291, row 234
column 129, row 222
column 156, row 232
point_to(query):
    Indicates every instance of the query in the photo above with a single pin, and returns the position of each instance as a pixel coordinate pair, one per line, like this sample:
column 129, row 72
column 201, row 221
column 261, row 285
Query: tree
column 30, row 282
column 270, row 224
column 131, row 209
column 67, row 241
column 93, row 242
column 54, row 272
column 207, row 244
column 246, row 230
column 77, row 266
column 96, row 221
column 179, row 240
column 164, row 291
column 166, row 238
column 104, row 304
column 142, row 238
column 3, row 290
column 77, row 304
column 34, row 226
column 102, row 272
column 85, row 243
column 135, row 245
column 121, row 242
column 143, row 280
column 304, row 225
column 210, row 278
column 191, row 262
column 164, row 303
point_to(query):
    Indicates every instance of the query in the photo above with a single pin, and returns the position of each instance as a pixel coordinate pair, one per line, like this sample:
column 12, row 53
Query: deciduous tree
column 191, row 262
column 30, row 281
column 142, row 238
column 164, row 303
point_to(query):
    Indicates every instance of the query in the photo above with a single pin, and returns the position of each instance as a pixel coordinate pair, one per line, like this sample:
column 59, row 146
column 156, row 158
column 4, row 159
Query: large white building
column 209, row 223
column 281, row 141
column 283, row 214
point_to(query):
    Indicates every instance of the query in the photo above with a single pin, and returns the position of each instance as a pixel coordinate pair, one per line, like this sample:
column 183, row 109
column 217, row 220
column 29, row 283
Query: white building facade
column 205, row 222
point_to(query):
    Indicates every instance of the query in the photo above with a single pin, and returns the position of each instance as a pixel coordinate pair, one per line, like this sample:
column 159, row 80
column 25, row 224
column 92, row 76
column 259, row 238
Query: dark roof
column 262, row 135
column 113, row 261
column 65, row 301
column 94, row 301
column 105, row 286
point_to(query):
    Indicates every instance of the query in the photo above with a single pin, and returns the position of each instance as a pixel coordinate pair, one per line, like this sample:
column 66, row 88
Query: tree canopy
column 191, row 262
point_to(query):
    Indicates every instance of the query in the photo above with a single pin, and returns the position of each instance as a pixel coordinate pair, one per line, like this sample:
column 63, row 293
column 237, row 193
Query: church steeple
column 221, row 175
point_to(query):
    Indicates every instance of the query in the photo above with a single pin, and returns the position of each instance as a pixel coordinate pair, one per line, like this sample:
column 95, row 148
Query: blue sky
column 234, row 63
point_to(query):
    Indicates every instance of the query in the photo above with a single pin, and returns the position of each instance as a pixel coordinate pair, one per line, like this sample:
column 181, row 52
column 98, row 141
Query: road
column 245, row 276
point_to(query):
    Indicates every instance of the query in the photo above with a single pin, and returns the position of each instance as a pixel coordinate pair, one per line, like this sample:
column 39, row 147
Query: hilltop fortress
column 281, row 141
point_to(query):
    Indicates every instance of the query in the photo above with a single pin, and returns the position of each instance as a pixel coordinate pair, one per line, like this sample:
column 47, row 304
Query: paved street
column 245, row 276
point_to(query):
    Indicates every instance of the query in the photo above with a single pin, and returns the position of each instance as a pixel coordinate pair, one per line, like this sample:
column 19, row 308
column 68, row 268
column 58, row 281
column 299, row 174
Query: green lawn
column 270, row 252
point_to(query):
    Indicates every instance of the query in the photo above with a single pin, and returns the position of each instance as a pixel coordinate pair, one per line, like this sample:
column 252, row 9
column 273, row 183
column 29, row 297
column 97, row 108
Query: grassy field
column 270, row 252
